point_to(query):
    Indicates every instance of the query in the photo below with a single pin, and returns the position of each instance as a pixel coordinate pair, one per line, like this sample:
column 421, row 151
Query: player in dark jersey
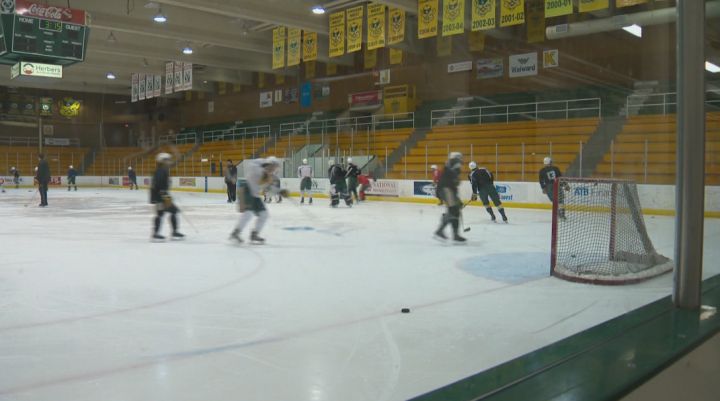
column 352, row 174
column 71, row 176
column 448, row 193
column 483, row 185
column 132, row 177
column 160, row 197
column 548, row 175
column 16, row 177
column 338, row 186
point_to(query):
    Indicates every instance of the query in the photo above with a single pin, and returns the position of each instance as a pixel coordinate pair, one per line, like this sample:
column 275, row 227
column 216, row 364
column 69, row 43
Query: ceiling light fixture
column 318, row 10
column 110, row 76
column 634, row 29
column 187, row 50
column 710, row 67
column 160, row 17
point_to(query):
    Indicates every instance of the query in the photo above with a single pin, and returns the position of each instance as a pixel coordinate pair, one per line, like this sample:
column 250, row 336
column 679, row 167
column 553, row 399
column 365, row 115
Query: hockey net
column 599, row 234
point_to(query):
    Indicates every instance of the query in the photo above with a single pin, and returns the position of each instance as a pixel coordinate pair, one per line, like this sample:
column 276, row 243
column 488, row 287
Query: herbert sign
column 36, row 70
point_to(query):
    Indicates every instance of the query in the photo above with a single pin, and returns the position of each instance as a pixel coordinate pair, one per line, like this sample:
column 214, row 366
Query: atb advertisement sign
column 423, row 188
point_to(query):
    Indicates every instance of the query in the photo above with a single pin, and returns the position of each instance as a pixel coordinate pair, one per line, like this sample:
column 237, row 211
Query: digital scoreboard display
column 48, row 38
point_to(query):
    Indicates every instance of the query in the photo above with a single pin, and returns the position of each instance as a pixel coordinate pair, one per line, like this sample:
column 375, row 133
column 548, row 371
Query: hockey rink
column 90, row 309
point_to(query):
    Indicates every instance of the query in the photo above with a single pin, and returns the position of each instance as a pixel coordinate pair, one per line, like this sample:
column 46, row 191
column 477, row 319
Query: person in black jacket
column 338, row 186
column 447, row 191
column 483, row 184
column 71, row 175
column 43, row 178
column 352, row 178
column 16, row 177
column 231, row 173
column 548, row 175
column 160, row 197
column 132, row 177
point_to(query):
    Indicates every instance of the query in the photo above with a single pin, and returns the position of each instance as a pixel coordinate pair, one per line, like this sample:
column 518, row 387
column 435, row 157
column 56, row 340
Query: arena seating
column 115, row 160
column 24, row 158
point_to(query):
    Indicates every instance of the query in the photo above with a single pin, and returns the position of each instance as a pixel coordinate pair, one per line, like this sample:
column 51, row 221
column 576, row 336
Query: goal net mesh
column 599, row 233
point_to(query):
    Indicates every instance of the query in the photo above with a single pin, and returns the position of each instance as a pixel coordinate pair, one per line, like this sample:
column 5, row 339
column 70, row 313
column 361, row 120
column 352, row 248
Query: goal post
column 599, row 234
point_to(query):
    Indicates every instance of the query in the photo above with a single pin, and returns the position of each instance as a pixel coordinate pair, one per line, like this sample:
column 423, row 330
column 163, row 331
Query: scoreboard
column 39, row 32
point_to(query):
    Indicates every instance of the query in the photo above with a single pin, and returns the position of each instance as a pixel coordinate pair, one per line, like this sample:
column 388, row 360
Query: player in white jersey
column 259, row 177
column 305, row 173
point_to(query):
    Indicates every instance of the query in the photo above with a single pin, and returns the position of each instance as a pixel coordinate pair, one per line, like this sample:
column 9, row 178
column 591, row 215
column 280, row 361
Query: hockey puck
column 405, row 310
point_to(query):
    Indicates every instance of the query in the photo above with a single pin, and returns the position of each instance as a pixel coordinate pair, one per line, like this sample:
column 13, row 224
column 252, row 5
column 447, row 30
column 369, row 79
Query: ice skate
column 310, row 201
column 178, row 236
column 458, row 239
column 236, row 236
column 302, row 200
column 256, row 239
column 440, row 236
column 157, row 238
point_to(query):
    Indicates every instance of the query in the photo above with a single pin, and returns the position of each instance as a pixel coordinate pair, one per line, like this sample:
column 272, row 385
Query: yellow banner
column 396, row 30
column 396, row 56
column 222, row 88
column 310, row 67
column 512, row 12
column 310, row 46
column 555, row 8
column 453, row 17
column 427, row 18
column 337, row 34
column 536, row 23
column 592, row 5
column 628, row 3
column 477, row 41
column 278, row 56
column 376, row 26
column 293, row 47
column 354, row 28
column 444, row 46
column 330, row 69
column 370, row 59
column 279, row 79
column 483, row 14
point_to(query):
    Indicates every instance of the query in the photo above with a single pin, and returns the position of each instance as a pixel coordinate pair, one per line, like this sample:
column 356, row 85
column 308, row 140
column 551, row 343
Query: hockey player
column 352, row 178
column 71, row 175
column 16, row 177
column 259, row 174
column 436, row 179
column 305, row 174
column 231, row 181
column 160, row 196
column 338, row 186
column 548, row 175
column 448, row 193
column 132, row 177
column 268, row 195
column 483, row 184
column 43, row 178
column 364, row 185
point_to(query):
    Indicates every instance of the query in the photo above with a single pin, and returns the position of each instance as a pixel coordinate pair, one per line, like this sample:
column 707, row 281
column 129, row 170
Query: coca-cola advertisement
column 365, row 98
column 30, row 9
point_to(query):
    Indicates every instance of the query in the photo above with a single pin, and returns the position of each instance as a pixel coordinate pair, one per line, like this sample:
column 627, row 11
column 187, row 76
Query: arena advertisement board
column 423, row 188
column 523, row 65
column 187, row 182
column 55, row 180
column 489, row 68
column 113, row 180
column 390, row 188
column 126, row 181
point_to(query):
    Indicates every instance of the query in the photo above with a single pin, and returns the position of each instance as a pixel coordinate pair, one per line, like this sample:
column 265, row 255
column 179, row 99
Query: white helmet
column 547, row 161
column 304, row 161
column 35, row 168
column 161, row 157
column 331, row 162
column 71, row 166
column 434, row 167
column 272, row 160
column 13, row 168
column 349, row 159
column 129, row 167
column 472, row 165
column 455, row 155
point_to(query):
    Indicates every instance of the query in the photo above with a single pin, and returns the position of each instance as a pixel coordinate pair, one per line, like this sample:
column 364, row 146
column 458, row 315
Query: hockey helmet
column 272, row 160
column 331, row 162
column 349, row 159
column 163, row 157
column 455, row 156
column 129, row 167
column 304, row 161
column 472, row 165
column 71, row 166
column 12, row 168
column 547, row 161
column 36, row 168
column 434, row 167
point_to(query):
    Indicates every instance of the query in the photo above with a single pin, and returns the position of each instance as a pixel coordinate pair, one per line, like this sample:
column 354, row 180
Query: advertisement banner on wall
column 523, row 65
column 113, row 180
column 460, row 67
column 370, row 98
column 187, row 181
column 126, row 181
column 551, row 58
column 57, row 141
column 306, row 94
column 423, row 188
column 388, row 188
column 266, row 99
column 489, row 68
column 510, row 193
column 55, row 180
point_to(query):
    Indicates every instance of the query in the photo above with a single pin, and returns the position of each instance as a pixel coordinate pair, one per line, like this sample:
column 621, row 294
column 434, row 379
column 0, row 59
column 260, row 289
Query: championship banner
column 483, row 14
column 512, row 12
column 330, row 69
column 169, row 78
column 354, row 28
column 427, row 18
column 628, row 3
column 337, row 34
column 535, row 26
column 158, row 85
column 396, row 30
column 135, row 88
column 444, row 46
column 370, row 58
column 310, row 46
column 293, row 56
column 178, row 82
column 278, row 55
column 453, row 17
column 592, row 5
column 141, row 87
column 555, row 8
column 149, row 86
column 477, row 41
column 310, row 67
column 376, row 26
column 187, row 76
column 396, row 56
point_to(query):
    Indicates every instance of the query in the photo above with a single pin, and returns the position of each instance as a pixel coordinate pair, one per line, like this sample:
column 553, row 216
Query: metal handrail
column 235, row 133
column 475, row 115
column 666, row 99
column 357, row 123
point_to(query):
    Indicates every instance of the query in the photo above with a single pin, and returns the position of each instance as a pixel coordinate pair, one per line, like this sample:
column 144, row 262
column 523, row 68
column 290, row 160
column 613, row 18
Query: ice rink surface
column 90, row 309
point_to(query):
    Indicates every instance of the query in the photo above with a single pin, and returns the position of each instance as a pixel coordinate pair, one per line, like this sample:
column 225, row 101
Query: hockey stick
column 33, row 197
column 189, row 222
column 462, row 224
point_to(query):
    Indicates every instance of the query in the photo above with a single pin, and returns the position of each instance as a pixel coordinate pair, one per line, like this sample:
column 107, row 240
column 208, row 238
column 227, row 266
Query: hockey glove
column 473, row 197
column 544, row 190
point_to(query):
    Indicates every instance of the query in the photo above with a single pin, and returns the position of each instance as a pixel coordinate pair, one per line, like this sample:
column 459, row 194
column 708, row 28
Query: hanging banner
column 376, row 26
column 187, row 76
column 427, row 18
column 370, row 58
column 396, row 56
column 158, row 85
column 141, row 87
column 551, row 58
column 330, row 69
column 477, row 41
column 628, row 3
column 512, row 12
column 222, row 88
column 266, row 99
column 278, row 55
column 310, row 46
column 483, row 14
column 396, row 30
column 523, row 65
column 535, row 26
column 306, row 94
column 592, row 5
column 453, row 17
column 169, row 78
column 293, row 53
column 310, row 67
column 178, row 82
column 555, row 8
column 149, row 86
column 354, row 28
column 444, row 46
column 337, row 34
column 134, row 88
